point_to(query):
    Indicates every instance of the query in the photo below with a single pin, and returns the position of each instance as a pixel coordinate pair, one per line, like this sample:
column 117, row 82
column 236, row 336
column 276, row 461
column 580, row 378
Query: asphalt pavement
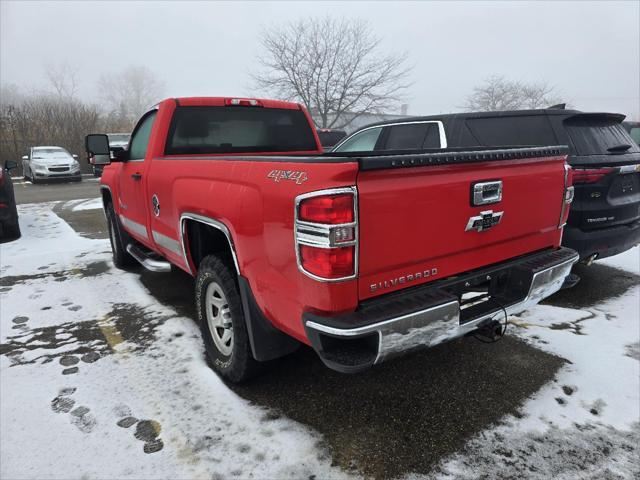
column 400, row 417
column 57, row 190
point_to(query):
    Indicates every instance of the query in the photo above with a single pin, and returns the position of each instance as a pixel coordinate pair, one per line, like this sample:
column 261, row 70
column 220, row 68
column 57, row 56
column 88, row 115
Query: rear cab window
column 238, row 129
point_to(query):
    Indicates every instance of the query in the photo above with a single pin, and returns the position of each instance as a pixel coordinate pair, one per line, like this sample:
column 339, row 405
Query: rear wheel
column 121, row 258
column 222, row 322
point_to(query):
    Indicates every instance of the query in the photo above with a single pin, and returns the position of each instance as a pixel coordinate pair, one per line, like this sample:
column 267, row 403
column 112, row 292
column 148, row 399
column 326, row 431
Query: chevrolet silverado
column 361, row 256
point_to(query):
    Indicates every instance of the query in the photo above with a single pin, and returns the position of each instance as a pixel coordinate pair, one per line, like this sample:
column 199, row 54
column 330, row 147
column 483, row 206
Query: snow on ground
column 629, row 260
column 88, row 204
column 584, row 424
column 98, row 380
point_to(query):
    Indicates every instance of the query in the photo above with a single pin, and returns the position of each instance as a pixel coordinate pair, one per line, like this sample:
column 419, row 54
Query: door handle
column 136, row 176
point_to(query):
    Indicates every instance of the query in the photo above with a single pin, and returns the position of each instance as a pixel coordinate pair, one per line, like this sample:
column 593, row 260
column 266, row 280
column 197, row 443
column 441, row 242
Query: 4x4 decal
column 294, row 176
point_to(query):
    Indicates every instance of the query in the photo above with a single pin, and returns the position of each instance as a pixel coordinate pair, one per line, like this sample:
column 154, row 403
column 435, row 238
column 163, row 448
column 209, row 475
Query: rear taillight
column 333, row 209
column 590, row 175
column 328, row 263
column 326, row 234
column 567, row 196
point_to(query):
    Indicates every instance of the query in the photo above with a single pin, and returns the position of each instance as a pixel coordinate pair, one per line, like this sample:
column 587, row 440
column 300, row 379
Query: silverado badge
column 484, row 221
column 294, row 176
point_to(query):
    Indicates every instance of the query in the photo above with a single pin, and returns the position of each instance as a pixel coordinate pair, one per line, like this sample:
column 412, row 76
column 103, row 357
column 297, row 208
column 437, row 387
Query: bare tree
column 33, row 119
column 128, row 94
column 334, row 67
column 499, row 93
column 63, row 78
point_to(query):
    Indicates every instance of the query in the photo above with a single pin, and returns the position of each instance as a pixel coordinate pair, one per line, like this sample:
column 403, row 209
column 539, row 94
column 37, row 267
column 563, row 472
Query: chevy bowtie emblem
column 484, row 221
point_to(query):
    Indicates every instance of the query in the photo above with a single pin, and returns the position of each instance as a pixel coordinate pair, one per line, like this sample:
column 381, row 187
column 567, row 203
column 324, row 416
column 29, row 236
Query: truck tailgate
column 417, row 223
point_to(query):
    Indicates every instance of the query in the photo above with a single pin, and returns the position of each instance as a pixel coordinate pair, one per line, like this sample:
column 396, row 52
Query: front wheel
column 222, row 323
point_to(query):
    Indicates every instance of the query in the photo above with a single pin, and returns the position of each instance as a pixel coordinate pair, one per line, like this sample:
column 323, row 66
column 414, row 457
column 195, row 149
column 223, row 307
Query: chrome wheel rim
column 219, row 318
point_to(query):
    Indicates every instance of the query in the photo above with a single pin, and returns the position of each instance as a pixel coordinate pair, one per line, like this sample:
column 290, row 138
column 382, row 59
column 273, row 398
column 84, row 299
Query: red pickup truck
column 361, row 256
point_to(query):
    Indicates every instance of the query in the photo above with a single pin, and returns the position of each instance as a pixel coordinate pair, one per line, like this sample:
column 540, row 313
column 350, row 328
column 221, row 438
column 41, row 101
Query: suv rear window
column 238, row 129
column 522, row 130
column 598, row 135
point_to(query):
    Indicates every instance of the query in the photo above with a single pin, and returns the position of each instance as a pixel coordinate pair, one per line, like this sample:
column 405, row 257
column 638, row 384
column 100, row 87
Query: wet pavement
column 56, row 190
column 400, row 417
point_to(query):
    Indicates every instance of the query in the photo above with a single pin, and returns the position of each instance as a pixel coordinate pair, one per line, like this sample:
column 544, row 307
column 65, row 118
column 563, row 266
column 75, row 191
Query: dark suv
column 605, row 215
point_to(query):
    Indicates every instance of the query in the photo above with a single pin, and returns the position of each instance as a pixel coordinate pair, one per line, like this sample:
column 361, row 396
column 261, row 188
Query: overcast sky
column 589, row 51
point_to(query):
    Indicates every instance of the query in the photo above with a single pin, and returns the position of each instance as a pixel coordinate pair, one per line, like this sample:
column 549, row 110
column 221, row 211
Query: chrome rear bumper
column 432, row 314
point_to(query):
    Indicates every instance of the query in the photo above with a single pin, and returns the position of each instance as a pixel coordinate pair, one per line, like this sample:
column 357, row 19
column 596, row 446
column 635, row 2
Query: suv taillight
column 590, row 175
column 326, row 232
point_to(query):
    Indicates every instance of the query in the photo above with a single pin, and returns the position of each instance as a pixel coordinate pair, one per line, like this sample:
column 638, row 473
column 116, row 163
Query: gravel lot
column 103, row 374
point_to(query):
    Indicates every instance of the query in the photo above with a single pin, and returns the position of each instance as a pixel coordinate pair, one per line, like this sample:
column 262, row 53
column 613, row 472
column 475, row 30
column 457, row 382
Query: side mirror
column 119, row 154
column 97, row 144
column 74, row 156
column 25, row 157
column 10, row 165
column 97, row 147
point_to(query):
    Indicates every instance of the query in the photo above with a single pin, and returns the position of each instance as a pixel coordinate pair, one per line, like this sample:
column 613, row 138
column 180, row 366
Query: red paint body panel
column 259, row 214
column 414, row 219
column 409, row 219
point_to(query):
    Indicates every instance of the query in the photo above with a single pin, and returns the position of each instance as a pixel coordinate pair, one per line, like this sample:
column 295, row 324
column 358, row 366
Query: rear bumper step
column 428, row 315
column 148, row 260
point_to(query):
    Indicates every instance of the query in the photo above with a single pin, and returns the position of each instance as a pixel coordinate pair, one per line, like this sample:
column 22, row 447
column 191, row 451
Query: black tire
column 10, row 232
column 238, row 365
column 118, row 238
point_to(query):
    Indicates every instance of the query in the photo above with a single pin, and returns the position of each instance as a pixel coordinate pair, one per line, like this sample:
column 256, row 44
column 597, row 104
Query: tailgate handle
column 486, row 193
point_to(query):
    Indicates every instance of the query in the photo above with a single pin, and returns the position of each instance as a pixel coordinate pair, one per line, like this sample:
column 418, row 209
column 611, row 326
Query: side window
column 140, row 137
column 532, row 130
column 413, row 136
column 406, row 137
column 364, row 141
column 432, row 140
